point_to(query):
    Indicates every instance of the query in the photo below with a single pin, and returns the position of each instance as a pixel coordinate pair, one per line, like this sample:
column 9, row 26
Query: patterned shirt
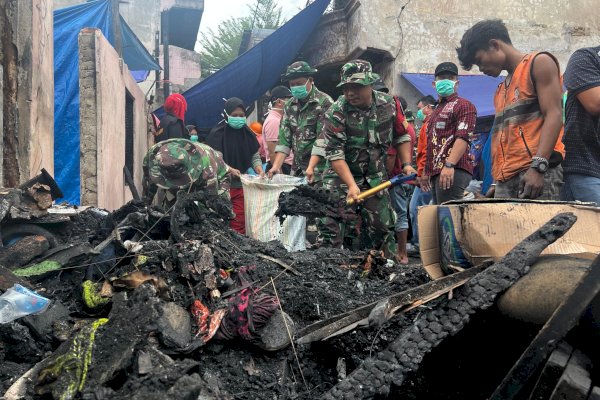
column 582, row 130
column 301, row 124
column 362, row 137
column 452, row 118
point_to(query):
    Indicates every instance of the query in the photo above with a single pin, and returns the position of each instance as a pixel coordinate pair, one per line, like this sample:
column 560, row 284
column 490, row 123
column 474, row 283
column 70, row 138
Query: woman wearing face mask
column 234, row 139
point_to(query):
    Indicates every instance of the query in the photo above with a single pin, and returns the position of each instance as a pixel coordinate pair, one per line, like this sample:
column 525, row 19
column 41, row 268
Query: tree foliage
column 221, row 47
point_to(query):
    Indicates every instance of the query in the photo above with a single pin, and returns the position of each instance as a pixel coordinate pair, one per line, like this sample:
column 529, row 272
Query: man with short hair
column 582, row 127
column 279, row 96
column 449, row 131
column 526, row 140
column 422, row 193
column 358, row 130
column 302, row 120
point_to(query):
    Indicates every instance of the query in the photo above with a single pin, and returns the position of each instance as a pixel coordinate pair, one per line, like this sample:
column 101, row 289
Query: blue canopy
column 478, row 89
column 68, row 22
column 253, row 73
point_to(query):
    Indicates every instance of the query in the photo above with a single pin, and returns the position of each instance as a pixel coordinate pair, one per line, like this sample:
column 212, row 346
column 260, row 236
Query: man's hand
column 273, row 171
column 491, row 193
column 409, row 170
column 234, row 172
column 425, row 183
column 447, row 178
column 309, row 174
column 353, row 192
column 531, row 185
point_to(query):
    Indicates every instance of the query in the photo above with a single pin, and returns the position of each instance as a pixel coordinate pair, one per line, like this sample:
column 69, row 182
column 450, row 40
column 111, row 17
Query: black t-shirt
column 172, row 128
column 582, row 130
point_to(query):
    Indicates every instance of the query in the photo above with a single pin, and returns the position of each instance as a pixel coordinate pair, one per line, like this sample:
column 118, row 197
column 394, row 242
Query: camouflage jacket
column 301, row 124
column 362, row 137
column 206, row 166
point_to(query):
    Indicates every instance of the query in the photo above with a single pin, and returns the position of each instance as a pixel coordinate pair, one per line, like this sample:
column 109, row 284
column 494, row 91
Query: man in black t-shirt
column 582, row 127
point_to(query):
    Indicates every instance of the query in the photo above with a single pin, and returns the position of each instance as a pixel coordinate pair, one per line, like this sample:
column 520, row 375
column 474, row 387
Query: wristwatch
column 540, row 164
column 448, row 164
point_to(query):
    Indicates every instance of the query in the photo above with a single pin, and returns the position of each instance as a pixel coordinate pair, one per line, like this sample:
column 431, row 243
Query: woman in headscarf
column 238, row 144
column 171, row 125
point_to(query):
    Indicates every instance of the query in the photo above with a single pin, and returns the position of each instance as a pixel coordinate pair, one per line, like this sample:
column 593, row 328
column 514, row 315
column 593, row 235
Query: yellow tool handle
column 370, row 192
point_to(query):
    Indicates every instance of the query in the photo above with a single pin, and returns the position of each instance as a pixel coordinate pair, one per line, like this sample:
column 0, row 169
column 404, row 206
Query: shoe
column 412, row 250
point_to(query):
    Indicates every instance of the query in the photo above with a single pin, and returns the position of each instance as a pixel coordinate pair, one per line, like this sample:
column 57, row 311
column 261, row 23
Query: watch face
column 543, row 167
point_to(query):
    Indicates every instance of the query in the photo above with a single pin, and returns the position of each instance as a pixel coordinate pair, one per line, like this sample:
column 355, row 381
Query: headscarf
column 237, row 145
column 175, row 104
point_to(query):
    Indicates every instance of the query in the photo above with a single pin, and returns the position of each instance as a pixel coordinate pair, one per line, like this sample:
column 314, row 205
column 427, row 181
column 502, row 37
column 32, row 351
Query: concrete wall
column 426, row 33
column 103, row 83
column 26, row 53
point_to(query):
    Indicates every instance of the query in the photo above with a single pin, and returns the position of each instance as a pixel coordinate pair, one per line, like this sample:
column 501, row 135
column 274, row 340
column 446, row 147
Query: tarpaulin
column 68, row 22
column 253, row 73
column 478, row 89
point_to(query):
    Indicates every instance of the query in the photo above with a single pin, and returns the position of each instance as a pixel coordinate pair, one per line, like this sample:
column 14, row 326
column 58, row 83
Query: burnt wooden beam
column 390, row 366
column 565, row 317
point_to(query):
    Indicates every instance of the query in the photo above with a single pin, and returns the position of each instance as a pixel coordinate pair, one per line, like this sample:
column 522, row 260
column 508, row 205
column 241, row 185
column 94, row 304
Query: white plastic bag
column 261, row 200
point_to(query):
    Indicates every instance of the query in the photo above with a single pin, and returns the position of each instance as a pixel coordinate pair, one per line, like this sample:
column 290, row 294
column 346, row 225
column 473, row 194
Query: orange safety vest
column 518, row 123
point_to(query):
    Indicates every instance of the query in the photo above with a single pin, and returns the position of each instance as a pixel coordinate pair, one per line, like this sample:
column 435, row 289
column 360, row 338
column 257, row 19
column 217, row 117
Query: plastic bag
column 19, row 301
column 261, row 200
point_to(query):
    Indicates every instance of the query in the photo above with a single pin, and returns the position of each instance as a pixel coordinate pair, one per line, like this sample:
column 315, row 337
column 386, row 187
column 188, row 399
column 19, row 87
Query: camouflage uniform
column 302, row 122
column 176, row 164
column 362, row 137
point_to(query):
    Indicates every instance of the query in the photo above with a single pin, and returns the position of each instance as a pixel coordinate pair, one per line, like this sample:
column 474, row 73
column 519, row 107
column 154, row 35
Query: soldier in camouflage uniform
column 358, row 130
column 302, row 120
column 177, row 164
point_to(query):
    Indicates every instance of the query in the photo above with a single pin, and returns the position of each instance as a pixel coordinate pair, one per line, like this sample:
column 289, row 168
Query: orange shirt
column 422, row 149
column 518, row 123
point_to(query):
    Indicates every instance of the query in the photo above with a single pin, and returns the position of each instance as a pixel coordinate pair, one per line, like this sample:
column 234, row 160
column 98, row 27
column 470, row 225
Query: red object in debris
column 207, row 323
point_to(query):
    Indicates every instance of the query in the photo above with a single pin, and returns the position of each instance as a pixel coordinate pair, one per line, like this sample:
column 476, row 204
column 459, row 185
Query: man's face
column 301, row 81
column 449, row 76
column 358, row 95
column 425, row 107
column 491, row 61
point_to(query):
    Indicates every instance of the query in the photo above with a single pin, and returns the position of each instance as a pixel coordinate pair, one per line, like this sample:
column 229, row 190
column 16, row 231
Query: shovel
column 397, row 180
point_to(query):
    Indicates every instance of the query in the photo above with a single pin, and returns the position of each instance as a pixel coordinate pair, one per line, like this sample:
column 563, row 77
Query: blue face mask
column 445, row 87
column 300, row 92
column 236, row 122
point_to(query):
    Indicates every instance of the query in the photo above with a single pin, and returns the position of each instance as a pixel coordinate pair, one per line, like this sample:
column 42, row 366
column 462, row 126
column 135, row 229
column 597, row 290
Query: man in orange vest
column 527, row 150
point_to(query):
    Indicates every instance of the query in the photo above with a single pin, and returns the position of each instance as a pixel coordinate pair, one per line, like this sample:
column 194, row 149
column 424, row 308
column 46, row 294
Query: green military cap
column 358, row 71
column 298, row 69
column 174, row 163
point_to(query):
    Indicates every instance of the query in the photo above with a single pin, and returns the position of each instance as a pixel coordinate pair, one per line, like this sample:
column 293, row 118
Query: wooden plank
column 359, row 316
column 565, row 317
column 552, row 372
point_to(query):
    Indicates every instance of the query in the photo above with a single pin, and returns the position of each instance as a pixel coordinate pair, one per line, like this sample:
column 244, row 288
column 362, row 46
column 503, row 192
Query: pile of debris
column 145, row 303
column 148, row 303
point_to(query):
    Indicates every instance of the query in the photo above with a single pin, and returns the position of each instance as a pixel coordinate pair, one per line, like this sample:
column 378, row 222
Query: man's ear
column 494, row 44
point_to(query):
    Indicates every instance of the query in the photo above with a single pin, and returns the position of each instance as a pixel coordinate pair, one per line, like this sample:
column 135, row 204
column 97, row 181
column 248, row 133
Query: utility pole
column 157, row 82
column 116, row 27
column 165, row 41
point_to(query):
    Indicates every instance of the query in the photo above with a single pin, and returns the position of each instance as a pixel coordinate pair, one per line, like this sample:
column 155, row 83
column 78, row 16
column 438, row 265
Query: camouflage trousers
column 373, row 223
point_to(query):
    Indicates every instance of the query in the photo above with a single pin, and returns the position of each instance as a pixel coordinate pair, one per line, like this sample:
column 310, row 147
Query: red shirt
column 452, row 118
column 401, row 127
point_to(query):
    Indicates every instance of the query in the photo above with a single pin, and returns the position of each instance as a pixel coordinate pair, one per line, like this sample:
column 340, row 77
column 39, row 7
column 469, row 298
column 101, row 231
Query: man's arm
column 271, row 150
column 549, row 93
column 590, row 100
column 466, row 118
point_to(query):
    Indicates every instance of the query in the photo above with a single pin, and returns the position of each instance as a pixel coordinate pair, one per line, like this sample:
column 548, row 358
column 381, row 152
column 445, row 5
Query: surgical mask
column 194, row 138
column 300, row 92
column 445, row 87
column 235, row 122
column 421, row 115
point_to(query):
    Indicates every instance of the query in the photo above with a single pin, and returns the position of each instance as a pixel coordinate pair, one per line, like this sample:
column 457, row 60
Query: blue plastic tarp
column 253, row 73
column 68, row 22
column 478, row 89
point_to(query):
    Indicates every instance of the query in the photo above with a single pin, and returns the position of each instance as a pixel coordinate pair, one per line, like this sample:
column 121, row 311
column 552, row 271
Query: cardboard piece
column 467, row 233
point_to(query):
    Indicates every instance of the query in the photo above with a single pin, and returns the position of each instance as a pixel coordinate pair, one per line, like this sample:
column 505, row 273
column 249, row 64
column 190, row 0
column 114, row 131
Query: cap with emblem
column 446, row 68
column 175, row 164
column 298, row 69
column 358, row 71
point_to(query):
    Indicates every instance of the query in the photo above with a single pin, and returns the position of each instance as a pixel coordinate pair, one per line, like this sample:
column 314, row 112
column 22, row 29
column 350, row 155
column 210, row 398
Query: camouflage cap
column 175, row 164
column 298, row 69
column 358, row 71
